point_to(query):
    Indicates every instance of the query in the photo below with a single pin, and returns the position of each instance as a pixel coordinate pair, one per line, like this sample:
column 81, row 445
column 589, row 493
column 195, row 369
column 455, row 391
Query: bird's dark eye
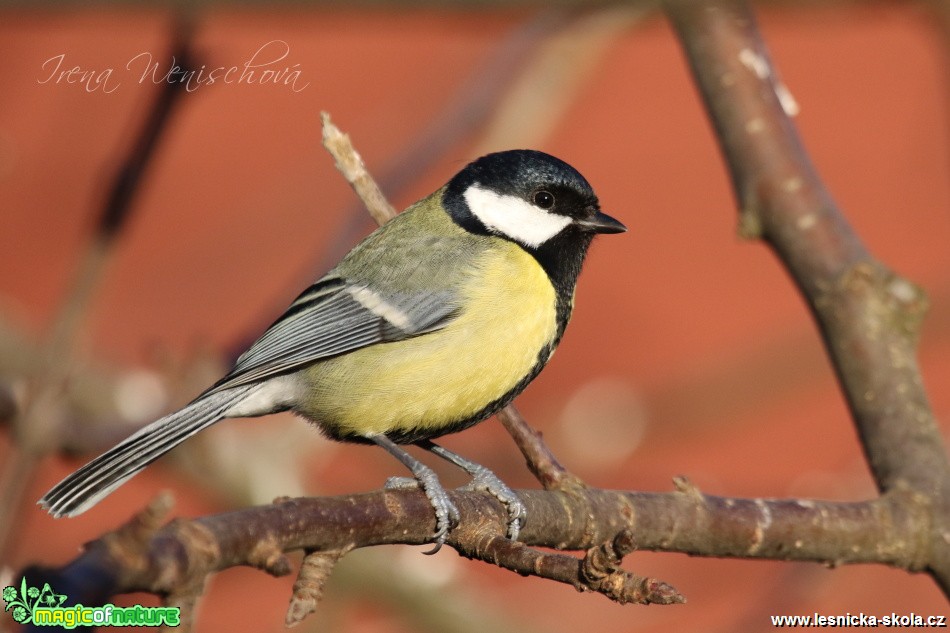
column 544, row 199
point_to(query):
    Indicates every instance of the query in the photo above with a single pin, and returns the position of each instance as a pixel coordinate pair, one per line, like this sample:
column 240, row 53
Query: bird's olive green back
column 420, row 250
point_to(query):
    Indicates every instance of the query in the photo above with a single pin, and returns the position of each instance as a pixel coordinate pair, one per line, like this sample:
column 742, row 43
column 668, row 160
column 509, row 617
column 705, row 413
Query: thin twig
column 351, row 165
column 540, row 459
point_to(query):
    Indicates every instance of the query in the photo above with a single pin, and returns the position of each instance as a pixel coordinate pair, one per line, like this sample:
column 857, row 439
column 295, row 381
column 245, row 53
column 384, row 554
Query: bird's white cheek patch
column 514, row 217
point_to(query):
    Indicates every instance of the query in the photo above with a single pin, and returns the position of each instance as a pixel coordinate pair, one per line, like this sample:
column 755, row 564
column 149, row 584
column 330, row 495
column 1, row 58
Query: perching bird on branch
column 432, row 323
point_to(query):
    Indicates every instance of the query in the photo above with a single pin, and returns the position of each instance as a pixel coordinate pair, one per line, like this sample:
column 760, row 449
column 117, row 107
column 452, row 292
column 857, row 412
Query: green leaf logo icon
column 22, row 603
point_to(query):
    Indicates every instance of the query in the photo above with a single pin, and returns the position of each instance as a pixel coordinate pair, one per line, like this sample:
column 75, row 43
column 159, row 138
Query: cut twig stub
column 351, row 165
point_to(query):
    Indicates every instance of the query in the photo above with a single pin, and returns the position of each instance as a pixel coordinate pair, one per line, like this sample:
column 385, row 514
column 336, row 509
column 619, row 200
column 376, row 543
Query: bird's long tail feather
column 90, row 484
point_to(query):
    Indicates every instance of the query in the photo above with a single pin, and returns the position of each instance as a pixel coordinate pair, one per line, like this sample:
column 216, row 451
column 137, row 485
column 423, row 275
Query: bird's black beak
column 600, row 223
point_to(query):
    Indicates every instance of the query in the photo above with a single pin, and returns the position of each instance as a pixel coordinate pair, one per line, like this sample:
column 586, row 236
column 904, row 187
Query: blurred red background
column 690, row 352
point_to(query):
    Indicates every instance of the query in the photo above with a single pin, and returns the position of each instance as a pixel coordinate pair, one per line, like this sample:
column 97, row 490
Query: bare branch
column 351, row 165
column 601, row 568
column 541, row 461
column 599, row 571
column 184, row 552
column 869, row 316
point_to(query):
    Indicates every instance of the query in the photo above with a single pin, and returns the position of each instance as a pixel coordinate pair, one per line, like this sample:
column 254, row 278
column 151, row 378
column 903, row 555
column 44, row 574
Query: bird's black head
column 526, row 196
column 534, row 199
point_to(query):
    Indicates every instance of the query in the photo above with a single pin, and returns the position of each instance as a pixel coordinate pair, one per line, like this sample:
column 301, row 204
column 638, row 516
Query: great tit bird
column 432, row 323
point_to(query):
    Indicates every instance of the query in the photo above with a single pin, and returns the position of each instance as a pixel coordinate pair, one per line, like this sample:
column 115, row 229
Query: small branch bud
column 308, row 589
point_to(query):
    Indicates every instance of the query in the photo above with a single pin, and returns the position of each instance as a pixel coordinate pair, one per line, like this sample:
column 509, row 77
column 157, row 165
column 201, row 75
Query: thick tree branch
column 869, row 317
column 143, row 557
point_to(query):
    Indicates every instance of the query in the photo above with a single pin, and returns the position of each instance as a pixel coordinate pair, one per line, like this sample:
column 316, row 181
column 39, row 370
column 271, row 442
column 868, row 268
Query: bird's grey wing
column 335, row 316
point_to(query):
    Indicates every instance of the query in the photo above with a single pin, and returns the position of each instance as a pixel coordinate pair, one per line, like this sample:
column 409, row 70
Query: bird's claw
column 446, row 514
column 485, row 480
column 401, row 483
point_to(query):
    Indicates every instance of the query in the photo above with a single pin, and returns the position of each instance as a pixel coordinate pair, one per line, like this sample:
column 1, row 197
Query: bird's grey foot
column 485, row 479
column 446, row 514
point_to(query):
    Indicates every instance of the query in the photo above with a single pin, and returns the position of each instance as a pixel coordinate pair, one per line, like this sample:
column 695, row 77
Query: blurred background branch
column 37, row 426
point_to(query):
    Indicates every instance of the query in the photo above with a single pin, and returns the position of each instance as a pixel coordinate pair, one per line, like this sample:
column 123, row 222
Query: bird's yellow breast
column 431, row 382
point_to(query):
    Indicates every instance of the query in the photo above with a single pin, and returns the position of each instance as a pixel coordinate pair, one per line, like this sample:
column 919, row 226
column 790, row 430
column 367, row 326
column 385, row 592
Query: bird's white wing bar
column 334, row 317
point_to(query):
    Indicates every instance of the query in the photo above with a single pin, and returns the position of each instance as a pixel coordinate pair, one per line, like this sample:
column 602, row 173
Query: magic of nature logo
column 44, row 607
